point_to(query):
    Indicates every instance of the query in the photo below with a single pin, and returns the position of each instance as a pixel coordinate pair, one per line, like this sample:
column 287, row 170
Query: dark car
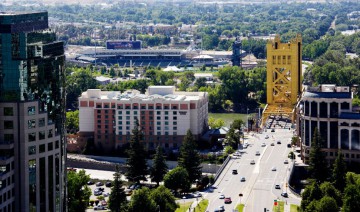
column 234, row 171
column 90, row 182
column 284, row 194
column 227, row 200
column 108, row 184
column 273, row 130
column 289, row 145
column 278, row 142
column 99, row 183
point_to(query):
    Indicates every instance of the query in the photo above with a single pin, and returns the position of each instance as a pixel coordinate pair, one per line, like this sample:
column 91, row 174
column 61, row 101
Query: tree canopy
column 78, row 191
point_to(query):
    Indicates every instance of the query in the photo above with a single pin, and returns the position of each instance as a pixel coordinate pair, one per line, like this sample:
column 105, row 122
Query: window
column 135, row 112
column 166, row 112
column 9, row 138
column 142, row 112
column 127, row 112
column 120, row 127
column 31, row 110
column 166, row 128
column 166, row 118
column 50, row 133
column 175, row 118
column 31, row 124
column 174, row 128
column 41, row 135
column 151, row 118
column 143, row 107
column 158, row 122
column 32, row 137
column 135, row 107
column 50, row 146
column 151, row 107
column 127, row 127
column 158, row 118
column 42, row 148
column 98, row 116
column 289, row 60
column 158, row 113
column 106, row 111
column 166, row 133
column 32, row 150
column 127, row 107
column 57, row 144
column 8, row 125
column 127, row 117
column 166, row 123
column 174, row 108
column 119, row 112
column 98, row 111
column 120, row 117
column 158, row 107
column 174, row 123
column 99, row 121
column 128, row 122
column 8, row 111
column 41, row 122
column 174, row 112
column 151, row 112
column 120, row 106
column 158, row 128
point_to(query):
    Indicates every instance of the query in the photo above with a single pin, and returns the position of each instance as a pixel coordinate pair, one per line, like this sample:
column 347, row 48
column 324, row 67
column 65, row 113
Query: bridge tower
column 283, row 77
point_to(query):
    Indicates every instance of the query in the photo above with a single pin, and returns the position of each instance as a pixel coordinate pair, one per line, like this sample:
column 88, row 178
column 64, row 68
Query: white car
column 263, row 145
column 99, row 207
column 257, row 153
column 267, row 136
column 273, row 168
column 286, row 161
column 222, row 196
column 197, row 194
column 252, row 162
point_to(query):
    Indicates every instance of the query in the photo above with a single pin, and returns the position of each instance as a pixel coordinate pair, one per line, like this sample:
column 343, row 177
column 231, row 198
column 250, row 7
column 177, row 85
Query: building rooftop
column 328, row 95
column 349, row 115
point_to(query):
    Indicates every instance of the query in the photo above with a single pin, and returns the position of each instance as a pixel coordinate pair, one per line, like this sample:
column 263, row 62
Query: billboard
column 121, row 44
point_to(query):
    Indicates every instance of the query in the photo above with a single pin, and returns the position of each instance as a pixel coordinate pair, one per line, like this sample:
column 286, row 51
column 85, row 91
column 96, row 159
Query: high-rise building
column 164, row 116
column 32, row 102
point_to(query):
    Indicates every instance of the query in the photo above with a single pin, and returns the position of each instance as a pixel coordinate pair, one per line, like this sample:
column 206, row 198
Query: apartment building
column 32, row 116
column 164, row 116
column 329, row 109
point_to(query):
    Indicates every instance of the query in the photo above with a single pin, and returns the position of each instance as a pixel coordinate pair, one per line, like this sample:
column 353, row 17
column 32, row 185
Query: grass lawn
column 280, row 206
column 201, row 207
column 293, row 208
column 228, row 117
column 240, row 207
column 184, row 207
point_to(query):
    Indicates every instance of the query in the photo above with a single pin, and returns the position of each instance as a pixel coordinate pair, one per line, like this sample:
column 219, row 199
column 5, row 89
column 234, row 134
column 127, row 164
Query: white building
column 164, row 116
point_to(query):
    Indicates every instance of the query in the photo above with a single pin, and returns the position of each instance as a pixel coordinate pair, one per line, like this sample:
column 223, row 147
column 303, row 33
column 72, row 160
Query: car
column 263, row 145
column 272, row 130
column 267, row 136
column 222, row 196
column 99, row 184
column 227, row 200
column 284, row 194
column 289, row 145
column 90, row 182
column 273, row 168
column 108, row 184
column 277, row 186
column 99, row 207
column 272, row 144
column 106, row 194
column 278, row 142
column 286, row 161
column 252, row 162
column 245, row 146
column 242, row 179
column 97, row 192
column 197, row 194
column 257, row 153
column 220, row 209
column 234, row 171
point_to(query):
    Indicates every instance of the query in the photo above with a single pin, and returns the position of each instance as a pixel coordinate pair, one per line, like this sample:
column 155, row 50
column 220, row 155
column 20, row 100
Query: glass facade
column 32, row 92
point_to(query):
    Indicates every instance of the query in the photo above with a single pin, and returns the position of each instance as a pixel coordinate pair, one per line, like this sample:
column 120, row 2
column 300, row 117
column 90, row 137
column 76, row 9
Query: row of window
column 41, row 135
column 42, row 148
column 134, row 107
column 281, row 60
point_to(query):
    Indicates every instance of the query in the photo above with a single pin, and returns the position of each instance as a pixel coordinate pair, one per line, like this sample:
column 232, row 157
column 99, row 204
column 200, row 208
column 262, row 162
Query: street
column 258, row 191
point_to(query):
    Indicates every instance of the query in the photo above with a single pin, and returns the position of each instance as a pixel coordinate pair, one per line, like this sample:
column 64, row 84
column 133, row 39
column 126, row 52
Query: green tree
column 327, row 204
column 339, row 172
column 164, row 199
column 141, row 201
column 216, row 123
column 351, row 198
column 189, row 157
column 78, row 191
column 159, row 168
column 72, row 121
column 117, row 198
column 201, row 82
column 233, row 138
column 136, row 162
column 318, row 167
column 177, row 179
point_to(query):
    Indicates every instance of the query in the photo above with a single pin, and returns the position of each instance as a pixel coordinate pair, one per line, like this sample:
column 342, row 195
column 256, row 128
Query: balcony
column 6, row 159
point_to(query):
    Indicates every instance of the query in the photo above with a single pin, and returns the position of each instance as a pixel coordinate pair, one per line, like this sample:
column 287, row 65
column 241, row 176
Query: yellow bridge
column 283, row 77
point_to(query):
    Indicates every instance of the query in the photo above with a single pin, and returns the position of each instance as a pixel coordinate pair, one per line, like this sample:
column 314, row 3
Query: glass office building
column 32, row 116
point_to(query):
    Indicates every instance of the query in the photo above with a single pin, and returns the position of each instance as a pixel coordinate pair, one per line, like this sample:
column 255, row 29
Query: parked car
column 90, row 182
column 289, row 145
column 99, row 207
column 242, row 179
column 272, row 130
column 222, row 196
column 272, row 144
column 227, row 200
column 286, row 161
column 266, row 136
column 257, row 153
column 234, row 171
column 99, row 183
column 108, row 184
column 197, row 194
column 273, row 168
column 263, row 145
column 252, row 162
column 278, row 142
column 277, row 186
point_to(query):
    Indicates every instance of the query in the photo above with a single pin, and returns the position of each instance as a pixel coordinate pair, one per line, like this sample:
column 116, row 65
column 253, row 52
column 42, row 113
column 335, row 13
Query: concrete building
column 32, row 102
column 329, row 109
column 164, row 116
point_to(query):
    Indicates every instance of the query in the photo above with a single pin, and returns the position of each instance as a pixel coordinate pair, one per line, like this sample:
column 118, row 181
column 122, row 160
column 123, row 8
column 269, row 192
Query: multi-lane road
column 258, row 191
